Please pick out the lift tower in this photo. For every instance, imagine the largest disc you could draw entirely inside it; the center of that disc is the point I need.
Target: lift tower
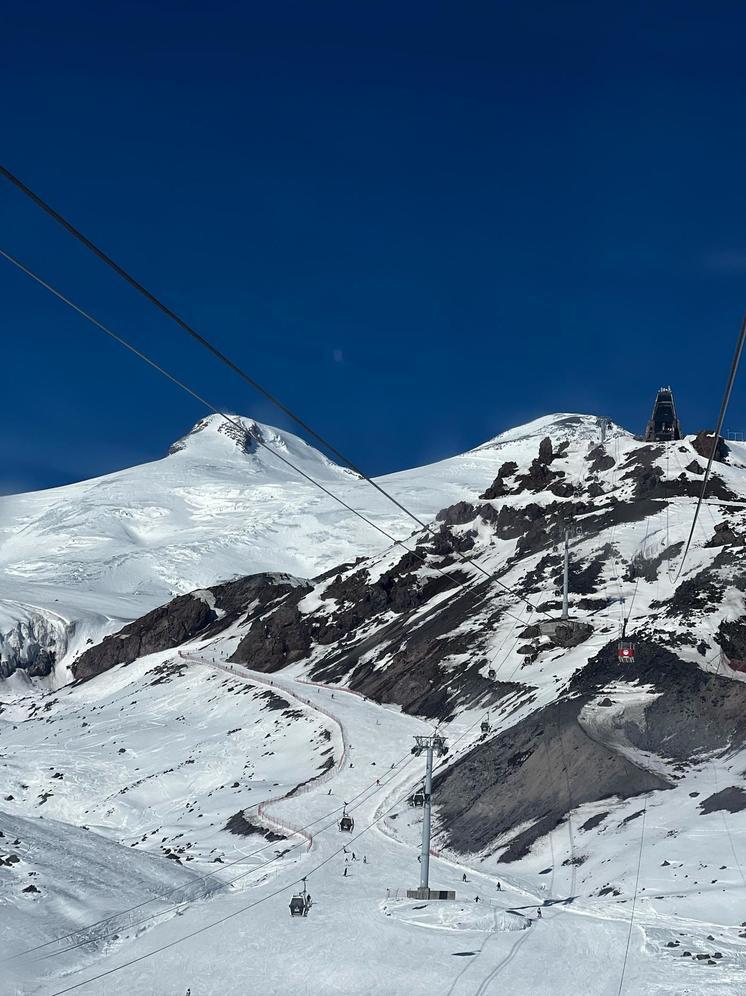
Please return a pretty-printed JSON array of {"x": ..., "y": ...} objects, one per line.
[{"x": 428, "y": 746}]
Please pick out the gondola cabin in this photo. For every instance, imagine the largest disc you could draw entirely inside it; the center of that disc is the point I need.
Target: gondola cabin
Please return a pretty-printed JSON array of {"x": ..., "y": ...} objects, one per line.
[
  {"x": 346, "y": 824},
  {"x": 484, "y": 726},
  {"x": 626, "y": 652},
  {"x": 298, "y": 906},
  {"x": 417, "y": 800},
  {"x": 491, "y": 674}
]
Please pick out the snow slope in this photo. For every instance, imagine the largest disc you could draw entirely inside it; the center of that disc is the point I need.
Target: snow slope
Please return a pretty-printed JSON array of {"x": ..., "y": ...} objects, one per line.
[
  {"x": 362, "y": 936},
  {"x": 79, "y": 561}
]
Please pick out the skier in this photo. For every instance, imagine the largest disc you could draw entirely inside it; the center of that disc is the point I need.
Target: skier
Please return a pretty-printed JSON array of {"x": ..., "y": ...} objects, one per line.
[
  {"x": 499, "y": 887},
  {"x": 476, "y": 899},
  {"x": 463, "y": 877},
  {"x": 365, "y": 859},
  {"x": 538, "y": 913},
  {"x": 345, "y": 872},
  {"x": 353, "y": 856}
]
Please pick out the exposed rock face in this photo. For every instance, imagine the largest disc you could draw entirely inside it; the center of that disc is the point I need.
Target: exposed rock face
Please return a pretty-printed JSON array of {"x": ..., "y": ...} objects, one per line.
[
  {"x": 730, "y": 800},
  {"x": 182, "y": 619},
  {"x": 534, "y": 773},
  {"x": 458, "y": 514},
  {"x": 600, "y": 460},
  {"x": 703, "y": 441},
  {"x": 724, "y": 536},
  {"x": 498, "y": 486}
]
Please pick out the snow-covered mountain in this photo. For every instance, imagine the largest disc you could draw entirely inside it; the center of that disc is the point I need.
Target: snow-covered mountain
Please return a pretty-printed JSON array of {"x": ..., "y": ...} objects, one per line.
[
  {"x": 79, "y": 561},
  {"x": 595, "y": 789}
]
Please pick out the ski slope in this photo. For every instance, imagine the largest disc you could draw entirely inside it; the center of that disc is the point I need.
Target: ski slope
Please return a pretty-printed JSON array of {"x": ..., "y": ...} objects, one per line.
[{"x": 361, "y": 935}]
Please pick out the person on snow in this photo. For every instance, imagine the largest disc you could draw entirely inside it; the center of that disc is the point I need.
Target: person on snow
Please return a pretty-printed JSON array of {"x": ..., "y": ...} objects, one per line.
[
  {"x": 463, "y": 877},
  {"x": 538, "y": 913},
  {"x": 365, "y": 859},
  {"x": 353, "y": 856},
  {"x": 476, "y": 899},
  {"x": 344, "y": 875},
  {"x": 499, "y": 887}
]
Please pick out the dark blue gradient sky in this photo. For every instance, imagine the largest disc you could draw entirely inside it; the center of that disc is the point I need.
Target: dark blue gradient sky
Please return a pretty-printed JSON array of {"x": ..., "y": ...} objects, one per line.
[{"x": 419, "y": 223}]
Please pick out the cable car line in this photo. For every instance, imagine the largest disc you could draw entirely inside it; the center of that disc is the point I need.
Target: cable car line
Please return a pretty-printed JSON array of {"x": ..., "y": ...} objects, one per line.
[
  {"x": 199, "y": 880},
  {"x": 170, "y": 313},
  {"x": 229, "y": 916},
  {"x": 634, "y": 897},
  {"x": 716, "y": 436},
  {"x": 217, "y": 411},
  {"x": 184, "y": 904}
]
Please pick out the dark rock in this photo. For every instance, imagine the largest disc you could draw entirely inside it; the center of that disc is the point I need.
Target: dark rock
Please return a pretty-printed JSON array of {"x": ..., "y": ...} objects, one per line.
[
  {"x": 593, "y": 822},
  {"x": 498, "y": 488},
  {"x": 695, "y": 467},
  {"x": 241, "y": 826},
  {"x": 178, "y": 621},
  {"x": 546, "y": 453},
  {"x": 702, "y": 444},
  {"x": 600, "y": 460},
  {"x": 533, "y": 773},
  {"x": 730, "y": 800},
  {"x": 724, "y": 536},
  {"x": 458, "y": 514}
]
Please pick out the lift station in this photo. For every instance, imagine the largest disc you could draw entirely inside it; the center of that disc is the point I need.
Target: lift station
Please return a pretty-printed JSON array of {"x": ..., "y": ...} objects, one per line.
[{"x": 663, "y": 425}]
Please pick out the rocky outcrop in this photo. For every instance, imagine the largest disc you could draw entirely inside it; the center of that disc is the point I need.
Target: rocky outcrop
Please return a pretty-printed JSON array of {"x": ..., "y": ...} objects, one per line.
[
  {"x": 702, "y": 444},
  {"x": 201, "y": 613},
  {"x": 498, "y": 488},
  {"x": 600, "y": 460},
  {"x": 531, "y": 776}
]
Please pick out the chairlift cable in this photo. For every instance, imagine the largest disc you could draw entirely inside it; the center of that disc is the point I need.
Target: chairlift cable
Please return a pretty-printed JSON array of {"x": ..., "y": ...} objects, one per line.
[
  {"x": 715, "y": 438},
  {"x": 185, "y": 387},
  {"x": 198, "y": 881},
  {"x": 234, "y": 913},
  {"x": 634, "y": 898},
  {"x": 207, "y": 344}
]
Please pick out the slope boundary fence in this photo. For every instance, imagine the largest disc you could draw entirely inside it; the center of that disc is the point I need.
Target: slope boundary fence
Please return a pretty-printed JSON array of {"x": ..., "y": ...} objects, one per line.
[{"x": 270, "y": 821}]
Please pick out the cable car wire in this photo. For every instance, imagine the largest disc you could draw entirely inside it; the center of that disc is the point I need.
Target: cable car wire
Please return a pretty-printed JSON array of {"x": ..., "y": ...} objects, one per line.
[
  {"x": 217, "y": 411},
  {"x": 715, "y": 438},
  {"x": 234, "y": 913},
  {"x": 634, "y": 899},
  {"x": 207, "y": 344},
  {"x": 185, "y": 903}
]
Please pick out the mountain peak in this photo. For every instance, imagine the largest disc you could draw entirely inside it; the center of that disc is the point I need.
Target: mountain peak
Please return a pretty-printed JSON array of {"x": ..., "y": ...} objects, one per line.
[
  {"x": 560, "y": 427},
  {"x": 240, "y": 433}
]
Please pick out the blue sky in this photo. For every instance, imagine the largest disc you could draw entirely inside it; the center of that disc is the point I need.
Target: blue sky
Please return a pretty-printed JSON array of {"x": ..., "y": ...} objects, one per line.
[{"x": 418, "y": 223}]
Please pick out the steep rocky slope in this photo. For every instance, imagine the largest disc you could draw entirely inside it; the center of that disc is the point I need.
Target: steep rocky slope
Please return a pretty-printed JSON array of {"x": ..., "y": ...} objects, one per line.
[
  {"x": 425, "y": 629},
  {"x": 78, "y": 562}
]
